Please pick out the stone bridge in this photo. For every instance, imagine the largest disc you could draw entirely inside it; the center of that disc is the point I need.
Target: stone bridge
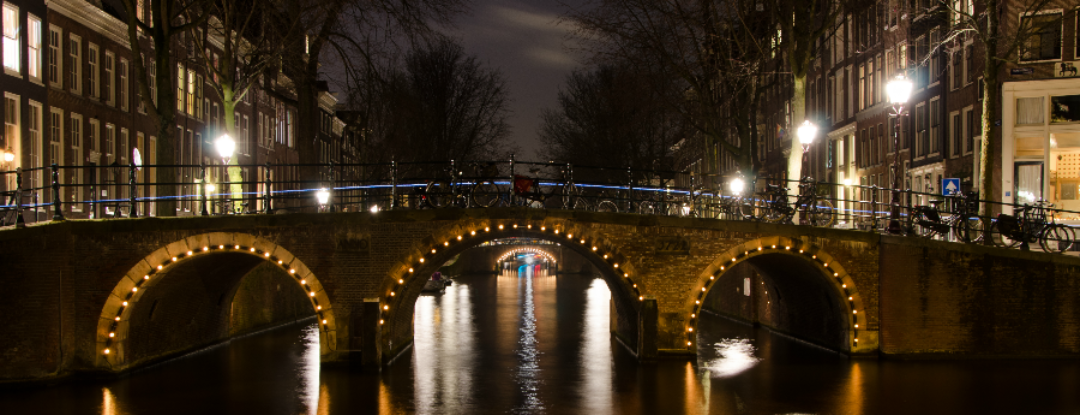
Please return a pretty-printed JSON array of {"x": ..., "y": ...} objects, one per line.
[{"x": 110, "y": 296}]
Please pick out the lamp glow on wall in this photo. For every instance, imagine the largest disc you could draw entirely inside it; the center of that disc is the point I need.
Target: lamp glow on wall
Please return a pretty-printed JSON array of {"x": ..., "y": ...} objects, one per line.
[{"x": 8, "y": 155}]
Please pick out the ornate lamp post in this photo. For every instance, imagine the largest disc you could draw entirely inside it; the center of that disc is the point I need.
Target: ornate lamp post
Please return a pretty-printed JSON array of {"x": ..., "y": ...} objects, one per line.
[
  {"x": 899, "y": 90},
  {"x": 225, "y": 146}
]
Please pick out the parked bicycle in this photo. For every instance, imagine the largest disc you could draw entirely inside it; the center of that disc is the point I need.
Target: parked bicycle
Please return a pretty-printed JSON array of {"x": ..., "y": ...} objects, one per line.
[
  {"x": 527, "y": 190},
  {"x": 813, "y": 210},
  {"x": 457, "y": 191},
  {"x": 963, "y": 225},
  {"x": 1028, "y": 225}
]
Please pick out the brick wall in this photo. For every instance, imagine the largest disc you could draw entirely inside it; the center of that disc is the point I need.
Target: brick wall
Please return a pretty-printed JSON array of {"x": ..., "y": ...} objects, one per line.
[{"x": 977, "y": 301}]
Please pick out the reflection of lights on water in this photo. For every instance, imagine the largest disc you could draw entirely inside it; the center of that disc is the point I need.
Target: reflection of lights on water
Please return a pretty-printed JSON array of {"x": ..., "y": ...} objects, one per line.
[
  {"x": 733, "y": 357},
  {"x": 528, "y": 373},
  {"x": 309, "y": 383},
  {"x": 596, "y": 348},
  {"x": 108, "y": 402}
]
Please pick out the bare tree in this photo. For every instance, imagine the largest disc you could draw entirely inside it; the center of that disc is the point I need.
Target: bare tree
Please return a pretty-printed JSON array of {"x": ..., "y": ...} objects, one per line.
[
  {"x": 716, "y": 49},
  {"x": 438, "y": 104},
  {"x": 613, "y": 117},
  {"x": 159, "y": 21},
  {"x": 251, "y": 35},
  {"x": 356, "y": 36}
]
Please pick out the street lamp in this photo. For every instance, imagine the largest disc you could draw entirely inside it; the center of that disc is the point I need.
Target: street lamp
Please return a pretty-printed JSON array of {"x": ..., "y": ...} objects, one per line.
[
  {"x": 225, "y": 146},
  {"x": 323, "y": 196},
  {"x": 899, "y": 90},
  {"x": 736, "y": 186}
]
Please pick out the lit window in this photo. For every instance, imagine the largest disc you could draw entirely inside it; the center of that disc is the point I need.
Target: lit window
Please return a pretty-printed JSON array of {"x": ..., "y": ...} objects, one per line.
[
  {"x": 11, "y": 37},
  {"x": 33, "y": 47}
]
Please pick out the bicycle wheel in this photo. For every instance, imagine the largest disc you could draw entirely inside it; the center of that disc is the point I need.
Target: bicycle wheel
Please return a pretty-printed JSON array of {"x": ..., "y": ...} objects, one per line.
[
  {"x": 646, "y": 208},
  {"x": 1056, "y": 238},
  {"x": 485, "y": 193},
  {"x": 821, "y": 214},
  {"x": 968, "y": 230},
  {"x": 920, "y": 224},
  {"x": 438, "y": 194},
  {"x": 607, "y": 206},
  {"x": 1000, "y": 240}
]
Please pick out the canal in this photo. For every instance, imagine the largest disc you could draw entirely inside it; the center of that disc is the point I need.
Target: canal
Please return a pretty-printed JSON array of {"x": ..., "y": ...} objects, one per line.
[{"x": 540, "y": 344}]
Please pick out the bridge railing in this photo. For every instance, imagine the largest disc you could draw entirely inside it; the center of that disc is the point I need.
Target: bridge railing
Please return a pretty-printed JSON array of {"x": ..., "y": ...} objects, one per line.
[{"x": 94, "y": 192}]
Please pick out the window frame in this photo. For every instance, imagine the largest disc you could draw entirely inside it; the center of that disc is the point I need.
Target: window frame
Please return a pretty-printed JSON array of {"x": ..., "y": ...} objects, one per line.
[
  {"x": 33, "y": 53},
  {"x": 1061, "y": 36},
  {"x": 122, "y": 85},
  {"x": 93, "y": 72},
  {"x": 75, "y": 66},
  {"x": 56, "y": 57},
  {"x": 75, "y": 124},
  {"x": 11, "y": 45},
  {"x": 107, "y": 84}
]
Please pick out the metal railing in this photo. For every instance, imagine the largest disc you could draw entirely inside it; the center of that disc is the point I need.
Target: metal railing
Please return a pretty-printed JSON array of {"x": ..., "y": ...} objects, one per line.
[{"x": 97, "y": 192}]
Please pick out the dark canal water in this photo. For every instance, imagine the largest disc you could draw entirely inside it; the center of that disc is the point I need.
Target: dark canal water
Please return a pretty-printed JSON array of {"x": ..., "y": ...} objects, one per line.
[{"x": 540, "y": 345}]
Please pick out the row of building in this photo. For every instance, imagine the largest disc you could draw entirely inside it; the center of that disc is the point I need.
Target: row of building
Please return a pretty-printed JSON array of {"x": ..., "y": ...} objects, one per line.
[
  {"x": 70, "y": 97},
  {"x": 1039, "y": 154}
]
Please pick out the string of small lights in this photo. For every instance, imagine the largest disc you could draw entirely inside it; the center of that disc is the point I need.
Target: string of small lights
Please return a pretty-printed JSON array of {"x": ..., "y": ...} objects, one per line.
[
  {"x": 757, "y": 248},
  {"x": 129, "y": 299}
]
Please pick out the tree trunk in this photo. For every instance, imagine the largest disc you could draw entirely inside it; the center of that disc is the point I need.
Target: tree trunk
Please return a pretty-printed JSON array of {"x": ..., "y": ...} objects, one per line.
[
  {"x": 991, "y": 102},
  {"x": 798, "y": 113}
]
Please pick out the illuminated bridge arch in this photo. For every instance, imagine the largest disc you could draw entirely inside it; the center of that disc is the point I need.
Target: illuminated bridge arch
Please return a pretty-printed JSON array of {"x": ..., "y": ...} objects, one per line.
[
  {"x": 113, "y": 328},
  {"x": 405, "y": 280},
  {"x": 823, "y": 268}
]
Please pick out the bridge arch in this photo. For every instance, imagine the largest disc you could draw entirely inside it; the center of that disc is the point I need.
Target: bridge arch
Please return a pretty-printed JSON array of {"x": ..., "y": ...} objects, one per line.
[
  {"x": 824, "y": 270},
  {"x": 113, "y": 328},
  {"x": 404, "y": 281}
]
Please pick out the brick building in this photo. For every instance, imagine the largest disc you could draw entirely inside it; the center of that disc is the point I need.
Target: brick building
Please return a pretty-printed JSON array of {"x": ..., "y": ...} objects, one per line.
[
  {"x": 71, "y": 98},
  {"x": 940, "y": 133}
]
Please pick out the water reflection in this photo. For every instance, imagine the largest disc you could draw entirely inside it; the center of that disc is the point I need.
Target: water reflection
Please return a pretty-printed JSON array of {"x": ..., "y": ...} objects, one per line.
[
  {"x": 528, "y": 371},
  {"x": 444, "y": 352},
  {"x": 734, "y": 356},
  {"x": 596, "y": 349},
  {"x": 309, "y": 370},
  {"x": 541, "y": 344}
]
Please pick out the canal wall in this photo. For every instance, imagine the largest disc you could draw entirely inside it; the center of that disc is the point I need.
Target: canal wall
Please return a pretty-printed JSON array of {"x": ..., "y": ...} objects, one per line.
[
  {"x": 976, "y": 301},
  {"x": 266, "y": 297}
]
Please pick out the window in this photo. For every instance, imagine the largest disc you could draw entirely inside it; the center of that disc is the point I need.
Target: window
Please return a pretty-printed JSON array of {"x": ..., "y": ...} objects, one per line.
[
  {"x": 956, "y": 71},
  {"x": 922, "y": 136},
  {"x": 11, "y": 38},
  {"x": 56, "y": 137},
  {"x": 92, "y": 86},
  {"x": 862, "y": 87},
  {"x": 247, "y": 131},
  {"x": 935, "y": 126},
  {"x": 107, "y": 83},
  {"x": 1044, "y": 37},
  {"x": 123, "y": 69},
  {"x": 936, "y": 66},
  {"x": 972, "y": 127},
  {"x": 957, "y": 139},
  {"x": 33, "y": 47},
  {"x": 1029, "y": 111},
  {"x": 76, "y": 159},
  {"x": 95, "y": 136},
  {"x": 123, "y": 150},
  {"x": 55, "y": 55},
  {"x": 139, "y": 14},
  {"x": 1065, "y": 109},
  {"x": 192, "y": 103},
  {"x": 969, "y": 53},
  {"x": 12, "y": 127},
  {"x": 179, "y": 86},
  {"x": 75, "y": 63},
  {"x": 110, "y": 144}
]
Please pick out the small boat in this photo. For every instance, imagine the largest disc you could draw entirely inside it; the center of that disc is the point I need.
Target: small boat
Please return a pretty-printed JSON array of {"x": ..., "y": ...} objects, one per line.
[{"x": 436, "y": 284}]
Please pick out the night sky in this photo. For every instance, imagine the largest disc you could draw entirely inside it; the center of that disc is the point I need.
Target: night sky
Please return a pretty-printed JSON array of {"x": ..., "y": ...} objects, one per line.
[{"x": 526, "y": 42}]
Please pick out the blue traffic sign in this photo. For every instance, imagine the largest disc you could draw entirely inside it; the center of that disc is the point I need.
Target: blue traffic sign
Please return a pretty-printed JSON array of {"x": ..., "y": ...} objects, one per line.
[{"x": 950, "y": 187}]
